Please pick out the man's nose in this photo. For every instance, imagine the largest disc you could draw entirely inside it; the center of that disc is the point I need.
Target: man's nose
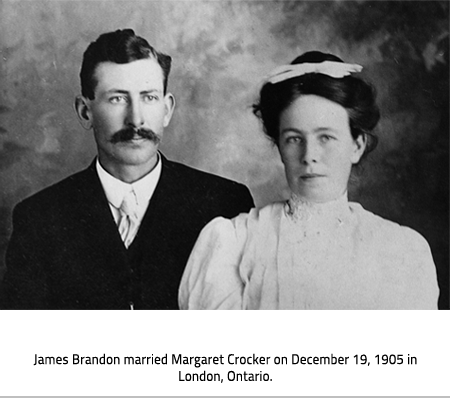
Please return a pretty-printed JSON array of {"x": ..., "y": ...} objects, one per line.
[
  {"x": 311, "y": 152},
  {"x": 135, "y": 117}
]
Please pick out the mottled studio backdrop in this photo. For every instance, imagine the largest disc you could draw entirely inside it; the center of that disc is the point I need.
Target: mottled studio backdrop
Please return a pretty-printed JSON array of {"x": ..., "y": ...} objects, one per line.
[{"x": 221, "y": 50}]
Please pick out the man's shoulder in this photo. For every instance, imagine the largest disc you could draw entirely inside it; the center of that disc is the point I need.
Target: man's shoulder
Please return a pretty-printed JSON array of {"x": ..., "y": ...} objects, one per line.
[
  {"x": 63, "y": 191},
  {"x": 205, "y": 194},
  {"x": 195, "y": 177}
]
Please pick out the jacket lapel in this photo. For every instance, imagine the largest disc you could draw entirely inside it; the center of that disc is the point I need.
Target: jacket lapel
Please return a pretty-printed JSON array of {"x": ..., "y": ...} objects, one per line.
[
  {"x": 164, "y": 206},
  {"x": 95, "y": 215}
]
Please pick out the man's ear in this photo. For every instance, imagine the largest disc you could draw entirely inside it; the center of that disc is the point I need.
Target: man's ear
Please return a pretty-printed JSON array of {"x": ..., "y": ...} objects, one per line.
[
  {"x": 169, "y": 102},
  {"x": 359, "y": 148},
  {"x": 83, "y": 112}
]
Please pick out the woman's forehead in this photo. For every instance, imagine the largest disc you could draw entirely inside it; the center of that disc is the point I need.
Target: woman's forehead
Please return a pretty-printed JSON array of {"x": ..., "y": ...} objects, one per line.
[{"x": 315, "y": 112}]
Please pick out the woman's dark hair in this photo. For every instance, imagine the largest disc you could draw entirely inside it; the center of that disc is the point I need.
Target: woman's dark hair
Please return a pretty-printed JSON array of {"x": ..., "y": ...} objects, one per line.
[
  {"x": 353, "y": 93},
  {"x": 120, "y": 47}
]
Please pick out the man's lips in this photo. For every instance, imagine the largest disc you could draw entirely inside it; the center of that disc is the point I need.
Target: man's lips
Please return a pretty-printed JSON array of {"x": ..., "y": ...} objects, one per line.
[{"x": 135, "y": 140}]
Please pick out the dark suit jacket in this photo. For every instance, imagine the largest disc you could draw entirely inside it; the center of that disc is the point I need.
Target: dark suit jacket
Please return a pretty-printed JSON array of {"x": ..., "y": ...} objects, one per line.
[{"x": 65, "y": 251}]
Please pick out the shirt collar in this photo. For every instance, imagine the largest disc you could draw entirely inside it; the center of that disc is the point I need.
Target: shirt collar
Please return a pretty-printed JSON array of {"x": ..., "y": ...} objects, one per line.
[
  {"x": 299, "y": 209},
  {"x": 116, "y": 189}
]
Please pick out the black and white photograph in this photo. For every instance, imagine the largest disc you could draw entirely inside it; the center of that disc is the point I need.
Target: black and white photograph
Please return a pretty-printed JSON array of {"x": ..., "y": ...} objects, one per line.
[{"x": 300, "y": 146}]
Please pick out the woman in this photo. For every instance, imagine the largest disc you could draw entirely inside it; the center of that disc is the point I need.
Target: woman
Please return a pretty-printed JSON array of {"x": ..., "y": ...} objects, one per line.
[{"x": 316, "y": 250}]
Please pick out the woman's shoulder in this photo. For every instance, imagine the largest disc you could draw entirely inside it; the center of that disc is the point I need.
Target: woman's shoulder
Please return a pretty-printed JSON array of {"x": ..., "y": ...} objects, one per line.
[
  {"x": 402, "y": 255},
  {"x": 389, "y": 231},
  {"x": 238, "y": 231},
  {"x": 255, "y": 217}
]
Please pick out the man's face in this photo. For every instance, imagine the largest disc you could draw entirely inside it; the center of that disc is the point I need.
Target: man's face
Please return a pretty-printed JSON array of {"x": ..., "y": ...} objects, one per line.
[{"x": 128, "y": 114}]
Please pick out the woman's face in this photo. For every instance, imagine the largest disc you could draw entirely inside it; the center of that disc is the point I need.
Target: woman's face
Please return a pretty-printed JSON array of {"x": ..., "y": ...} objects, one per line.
[{"x": 317, "y": 148}]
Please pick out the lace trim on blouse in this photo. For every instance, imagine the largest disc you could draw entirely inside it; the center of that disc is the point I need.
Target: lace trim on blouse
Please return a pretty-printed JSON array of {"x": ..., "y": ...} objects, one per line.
[{"x": 298, "y": 209}]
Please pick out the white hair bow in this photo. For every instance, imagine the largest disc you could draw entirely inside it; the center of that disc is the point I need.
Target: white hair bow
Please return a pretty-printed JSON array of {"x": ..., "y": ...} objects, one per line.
[{"x": 330, "y": 68}]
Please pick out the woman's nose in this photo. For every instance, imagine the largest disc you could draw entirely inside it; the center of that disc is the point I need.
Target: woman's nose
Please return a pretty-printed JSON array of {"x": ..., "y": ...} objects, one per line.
[
  {"x": 310, "y": 153},
  {"x": 135, "y": 117}
]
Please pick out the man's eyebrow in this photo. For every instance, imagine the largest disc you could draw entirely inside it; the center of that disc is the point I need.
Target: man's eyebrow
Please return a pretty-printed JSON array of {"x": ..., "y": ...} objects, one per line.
[
  {"x": 153, "y": 90},
  {"x": 117, "y": 90},
  {"x": 121, "y": 91}
]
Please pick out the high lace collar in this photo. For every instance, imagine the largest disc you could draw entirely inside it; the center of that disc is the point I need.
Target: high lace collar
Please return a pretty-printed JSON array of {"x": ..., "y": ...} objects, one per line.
[{"x": 299, "y": 209}]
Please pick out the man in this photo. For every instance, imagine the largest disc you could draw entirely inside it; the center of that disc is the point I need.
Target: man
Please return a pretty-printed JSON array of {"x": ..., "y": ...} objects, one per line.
[{"x": 118, "y": 234}]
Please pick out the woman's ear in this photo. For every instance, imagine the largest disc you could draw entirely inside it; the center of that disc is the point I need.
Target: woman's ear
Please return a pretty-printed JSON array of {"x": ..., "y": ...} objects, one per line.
[
  {"x": 359, "y": 147},
  {"x": 169, "y": 102},
  {"x": 83, "y": 112}
]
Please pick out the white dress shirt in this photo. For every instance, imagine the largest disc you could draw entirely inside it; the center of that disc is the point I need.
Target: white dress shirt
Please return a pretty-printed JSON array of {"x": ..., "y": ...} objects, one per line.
[
  {"x": 299, "y": 255},
  {"x": 116, "y": 189}
]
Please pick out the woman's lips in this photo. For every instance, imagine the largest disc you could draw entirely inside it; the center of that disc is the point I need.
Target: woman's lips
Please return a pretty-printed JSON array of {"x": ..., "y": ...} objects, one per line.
[{"x": 310, "y": 176}]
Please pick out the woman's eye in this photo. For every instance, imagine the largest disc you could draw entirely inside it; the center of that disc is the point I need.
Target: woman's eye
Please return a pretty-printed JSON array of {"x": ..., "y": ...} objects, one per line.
[{"x": 294, "y": 140}]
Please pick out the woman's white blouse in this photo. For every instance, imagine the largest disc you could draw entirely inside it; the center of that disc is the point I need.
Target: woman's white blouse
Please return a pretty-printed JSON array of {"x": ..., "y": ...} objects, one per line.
[{"x": 298, "y": 255}]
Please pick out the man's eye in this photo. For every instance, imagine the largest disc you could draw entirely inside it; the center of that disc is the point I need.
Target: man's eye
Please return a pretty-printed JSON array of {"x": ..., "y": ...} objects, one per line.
[
  {"x": 118, "y": 99},
  {"x": 325, "y": 138},
  {"x": 150, "y": 98}
]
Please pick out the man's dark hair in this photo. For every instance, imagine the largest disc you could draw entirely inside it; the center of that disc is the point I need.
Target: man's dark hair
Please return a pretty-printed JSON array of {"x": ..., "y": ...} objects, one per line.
[
  {"x": 120, "y": 47},
  {"x": 351, "y": 92}
]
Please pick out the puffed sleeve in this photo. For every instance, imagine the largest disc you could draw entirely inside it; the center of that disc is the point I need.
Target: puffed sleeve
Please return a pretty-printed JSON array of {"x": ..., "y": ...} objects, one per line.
[
  {"x": 212, "y": 278},
  {"x": 424, "y": 290}
]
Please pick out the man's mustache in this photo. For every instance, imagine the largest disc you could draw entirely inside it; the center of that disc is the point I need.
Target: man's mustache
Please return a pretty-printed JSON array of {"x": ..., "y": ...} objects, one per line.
[{"x": 128, "y": 133}]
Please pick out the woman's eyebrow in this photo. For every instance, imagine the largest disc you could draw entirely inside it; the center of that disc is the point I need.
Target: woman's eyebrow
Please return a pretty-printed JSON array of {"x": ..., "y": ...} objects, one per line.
[
  {"x": 299, "y": 131},
  {"x": 291, "y": 130},
  {"x": 322, "y": 129}
]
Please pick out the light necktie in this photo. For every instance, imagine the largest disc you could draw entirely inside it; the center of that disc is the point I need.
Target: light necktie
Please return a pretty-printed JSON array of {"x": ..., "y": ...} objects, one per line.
[{"x": 128, "y": 221}]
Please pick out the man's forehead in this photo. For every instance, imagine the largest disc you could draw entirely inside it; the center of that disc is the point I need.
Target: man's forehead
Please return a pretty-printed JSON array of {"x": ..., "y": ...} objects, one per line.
[{"x": 140, "y": 72}]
